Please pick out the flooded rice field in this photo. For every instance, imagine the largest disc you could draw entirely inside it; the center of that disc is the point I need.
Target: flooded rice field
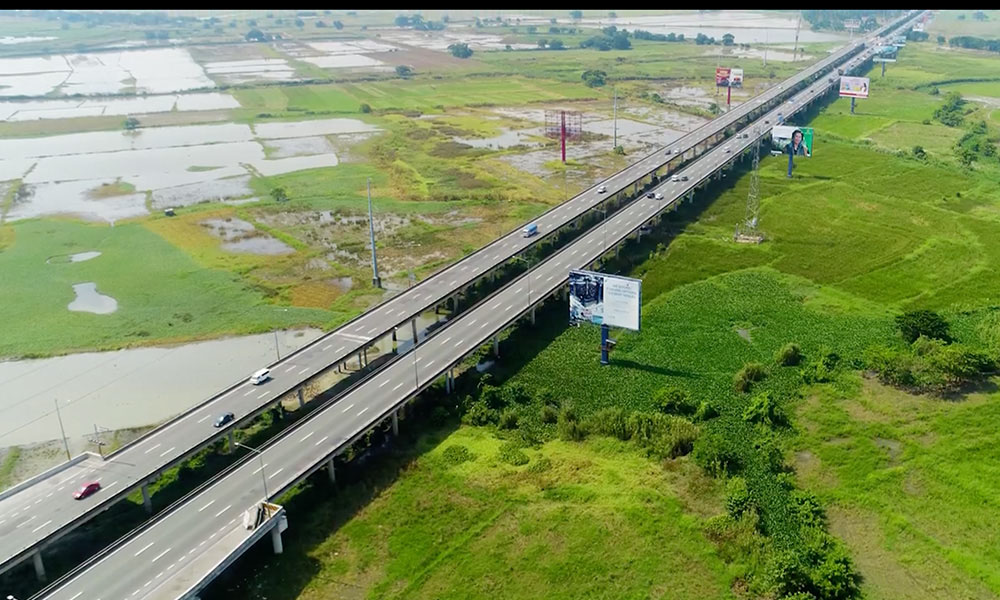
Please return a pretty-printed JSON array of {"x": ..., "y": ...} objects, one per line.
[
  {"x": 242, "y": 71},
  {"x": 441, "y": 40},
  {"x": 241, "y": 236},
  {"x": 746, "y": 27},
  {"x": 178, "y": 165},
  {"x": 96, "y": 107},
  {"x": 149, "y": 71}
]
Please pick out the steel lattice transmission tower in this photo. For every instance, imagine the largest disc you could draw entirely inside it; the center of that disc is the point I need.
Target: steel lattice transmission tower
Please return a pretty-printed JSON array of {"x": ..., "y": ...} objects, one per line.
[{"x": 747, "y": 231}]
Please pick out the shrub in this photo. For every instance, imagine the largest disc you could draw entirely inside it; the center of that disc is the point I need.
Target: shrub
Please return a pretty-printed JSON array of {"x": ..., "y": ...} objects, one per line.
[
  {"x": 365, "y": 108},
  {"x": 717, "y": 453},
  {"x": 705, "y": 411},
  {"x": 789, "y": 355},
  {"x": 738, "y": 500},
  {"x": 821, "y": 370},
  {"x": 672, "y": 400},
  {"x": 569, "y": 427},
  {"x": 916, "y": 323},
  {"x": 808, "y": 509},
  {"x": 764, "y": 409},
  {"x": 745, "y": 377},
  {"x": 508, "y": 419},
  {"x": 610, "y": 422},
  {"x": 511, "y": 454},
  {"x": 457, "y": 454},
  {"x": 478, "y": 413},
  {"x": 549, "y": 414},
  {"x": 540, "y": 466}
]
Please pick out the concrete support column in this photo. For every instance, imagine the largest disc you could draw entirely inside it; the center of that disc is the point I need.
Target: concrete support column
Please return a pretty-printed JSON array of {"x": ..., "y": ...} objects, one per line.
[
  {"x": 395, "y": 343},
  {"x": 232, "y": 442},
  {"x": 276, "y": 539},
  {"x": 39, "y": 566},
  {"x": 331, "y": 471},
  {"x": 364, "y": 355},
  {"x": 395, "y": 422},
  {"x": 146, "y": 502},
  {"x": 361, "y": 364},
  {"x": 302, "y": 401},
  {"x": 413, "y": 326},
  {"x": 496, "y": 346},
  {"x": 533, "y": 315}
]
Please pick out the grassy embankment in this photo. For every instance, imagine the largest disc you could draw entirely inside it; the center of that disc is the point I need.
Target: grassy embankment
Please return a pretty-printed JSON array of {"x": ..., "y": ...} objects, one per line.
[{"x": 858, "y": 236}]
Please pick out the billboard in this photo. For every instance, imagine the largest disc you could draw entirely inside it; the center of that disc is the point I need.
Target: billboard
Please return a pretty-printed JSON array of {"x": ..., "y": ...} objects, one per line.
[
  {"x": 604, "y": 299},
  {"x": 885, "y": 54},
  {"x": 781, "y": 136},
  {"x": 918, "y": 26},
  {"x": 736, "y": 78},
  {"x": 722, "y": 75},
  {"x": 852, "y": 23},
  {"x": 854, "y": 87}
]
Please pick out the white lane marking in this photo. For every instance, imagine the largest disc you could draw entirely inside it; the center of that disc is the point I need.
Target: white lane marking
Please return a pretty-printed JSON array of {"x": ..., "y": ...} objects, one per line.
[
  {"x": 219, "y": 514},
  {"x": 483, "y": 325},
  {"x": 23, "y": 523},
  {"x": 77, "y": 595},
  {"x": 509, "y": 306},
  {"x": 302, "y": 372},
  {"x": 445, "y": 340},
  {"x": 453, "y": 282},
  {"x": 158, "y": 575},
  {"x": 363, "y": 410},
  {"x": 430, "y": 363},
  {"x": 2, "y": 521},
  {"x": 383, "y": 384},
  {"x": 416, "y": 296},
  {"x": 326, "y": 347},
  {"x": 257, "y": 470},
  {"x": 166, "y": 452},
  {"x": 160, "y": 555},
  {"x": 472, "y": 322},
  {"x": 144, "y": 549},
  {"x": 290, "y": 368},
  {"x": 458, "y": 343},
  {"x": 271, "y": 476},
  {"x": 550, "y": 278},
  {"x": 465, "y": 267},
  {"x": 348, "y": 408},
  {"x": 151, "y": 449},
  {"x": 202, "y": 420},
  {"x": 517, "y": 291},
  {"x": 372, "y": 330},
  {"x": 113, "y": 483},
  {"x": 339, "y": 349},
  {"x": 398, "y": 385},
  {"x": 250, "y": 391},
  {"x": 263, "y": 394},
  {"x": 42, "y": 526},
  {"x": 308, "y": 435},
  {"x": 326, "y": 437},
  {"x": 495, "y": 306},
  {"x": 210, "y": 503}
]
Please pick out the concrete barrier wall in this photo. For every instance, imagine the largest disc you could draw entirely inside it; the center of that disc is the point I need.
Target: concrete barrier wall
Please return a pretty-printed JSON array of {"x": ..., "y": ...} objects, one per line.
[{"x": 43, "y": 476}]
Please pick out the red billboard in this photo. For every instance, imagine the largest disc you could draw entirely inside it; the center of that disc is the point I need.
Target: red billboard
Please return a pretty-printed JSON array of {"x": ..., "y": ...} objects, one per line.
[{"x": 722, "y": 75}]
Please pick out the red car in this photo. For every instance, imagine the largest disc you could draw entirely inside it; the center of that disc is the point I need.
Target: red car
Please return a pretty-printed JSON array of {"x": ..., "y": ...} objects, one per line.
[{"x": 86, "y": 490}]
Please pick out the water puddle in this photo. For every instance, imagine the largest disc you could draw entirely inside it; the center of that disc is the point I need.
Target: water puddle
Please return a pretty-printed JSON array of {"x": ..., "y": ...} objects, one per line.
[
  {"x": 89, "y": 300},
  {"x": 82, "y": 256},
  {"x": 241, "y": 236}
]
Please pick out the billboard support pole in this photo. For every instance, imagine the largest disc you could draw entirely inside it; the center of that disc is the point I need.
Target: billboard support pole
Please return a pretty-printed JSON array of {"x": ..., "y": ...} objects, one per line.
[
  {"x": 604, "y": 345},
  {"x": 729, "y": 96},
  {"x": 852, "y": 104},
  {"x": 883, "y": 69}
]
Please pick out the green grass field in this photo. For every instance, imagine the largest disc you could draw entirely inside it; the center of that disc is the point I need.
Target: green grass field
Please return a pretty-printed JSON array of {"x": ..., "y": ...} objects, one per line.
[
  {"x": 162, "y": 293},
  {"x": 948, "y": 23},
  {"x": 485, "y": 529}
]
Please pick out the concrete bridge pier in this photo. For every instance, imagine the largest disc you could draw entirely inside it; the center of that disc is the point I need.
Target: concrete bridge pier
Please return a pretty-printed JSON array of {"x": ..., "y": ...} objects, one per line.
[
  {"x": 395, "y": 343},
  {"x": 276, "y": 539},
  {"x": 413, "y": 326},
  {"x": 36, "y": 558},
  {"x": 147, "y": 503},
  {"x": 302, "y": 401},
  {"x": 395, "y": 422},
  {"x": 331, "y": 471},
  {"x": 496, "y": 346}
]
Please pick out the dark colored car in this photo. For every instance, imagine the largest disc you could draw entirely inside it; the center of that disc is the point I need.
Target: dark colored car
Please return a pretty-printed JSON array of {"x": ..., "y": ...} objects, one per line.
[
  {"x": 224, "y": 418},
  {"x": 87, "y": 489}
]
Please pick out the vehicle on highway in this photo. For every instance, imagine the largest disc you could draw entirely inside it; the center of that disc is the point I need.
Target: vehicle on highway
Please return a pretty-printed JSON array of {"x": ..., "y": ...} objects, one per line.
[
  {"x": 684, "y": 177},
  {"x": 87, "y": 489},
  {"x": 223, "y": 419},
  {"x": 658, "y": 196},
  {"x": 530, "y": 230},
  {"x": 728, "y": 149},
  {"x": 677, "y": 150},
  {"x": 602, "y": 189},
  {"x": 260, "y": 376},
  {"x": 675, "y": 178},
  {"x": 651, "y": 194}
]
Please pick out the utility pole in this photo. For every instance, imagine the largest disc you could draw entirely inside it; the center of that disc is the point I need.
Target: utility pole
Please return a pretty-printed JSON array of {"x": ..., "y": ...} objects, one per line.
[
  {"x": 61, "y": 430},
  {"x": 615, "y": 90},
  {"x": 765, "y": 47},
  {"x": 260, "y": 456},
  {"x": 371, "y": 234},
  {"x": 795, "y": 51},
  {"x": 277, "y": 354}
]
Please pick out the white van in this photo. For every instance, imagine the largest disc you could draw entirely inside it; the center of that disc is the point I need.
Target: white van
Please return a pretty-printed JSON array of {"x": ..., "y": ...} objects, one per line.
[
  {"x": 530, "y": 230},
  {"x": 260, "y": 376}
]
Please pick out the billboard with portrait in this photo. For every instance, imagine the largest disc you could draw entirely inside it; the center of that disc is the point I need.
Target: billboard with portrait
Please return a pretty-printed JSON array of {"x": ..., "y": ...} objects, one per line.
[
  {"x": 736, "y": 78},
  {"x": 781, "y": 135},
  {"x": 854, "y": 87},
  {"x": 604, "y": 299},
  {"x": 722, "y": 76}
]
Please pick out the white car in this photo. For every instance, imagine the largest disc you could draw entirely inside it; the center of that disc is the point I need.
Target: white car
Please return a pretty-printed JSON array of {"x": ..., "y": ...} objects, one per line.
[
  {"x": 728, "y": 150},
  {"x": 602, "y": 189},
  {"x": 675, "y": 178},
  {"x": 658, "y": 196},
  {"x": 260, "y": 376}
]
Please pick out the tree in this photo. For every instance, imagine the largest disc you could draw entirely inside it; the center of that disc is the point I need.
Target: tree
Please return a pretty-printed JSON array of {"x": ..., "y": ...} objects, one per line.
[
  {"x": 594, "y": 78},
  {"x": 980, "y": 16},
  {"x": 556, "y": 45},
  {"x": 461, "y": 50},
  {"x": 542, "y": 43},
  {"x": 940, "y": 39},
  {"x": 918, "y": 152},
  {"x": 402, "y": 21},
  {"x": 131, "y": 124},
  {"x": 576, "y": 14},
  {"x": 279, "y": 194},
  {"x": 366, "y": 108},
  {"x": 300, "y": 23},
  {"x": 404, "y": 71},
  {"x": 252, "y": 22},
  {"x": 728, "y": 39},
  {"x": 532, "y": 29},
  {"x": 553, "y": 21},
  {"x": 320, "y": 24},
  {"x": 338, "y": 24},
  {"x": 612, "y": 15},
  {"x": 446, "y": 19},
  {"x": 255, "y": 35},
  {"x": 927, "y": 323},
  {"x": 620, "y": 41}
]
